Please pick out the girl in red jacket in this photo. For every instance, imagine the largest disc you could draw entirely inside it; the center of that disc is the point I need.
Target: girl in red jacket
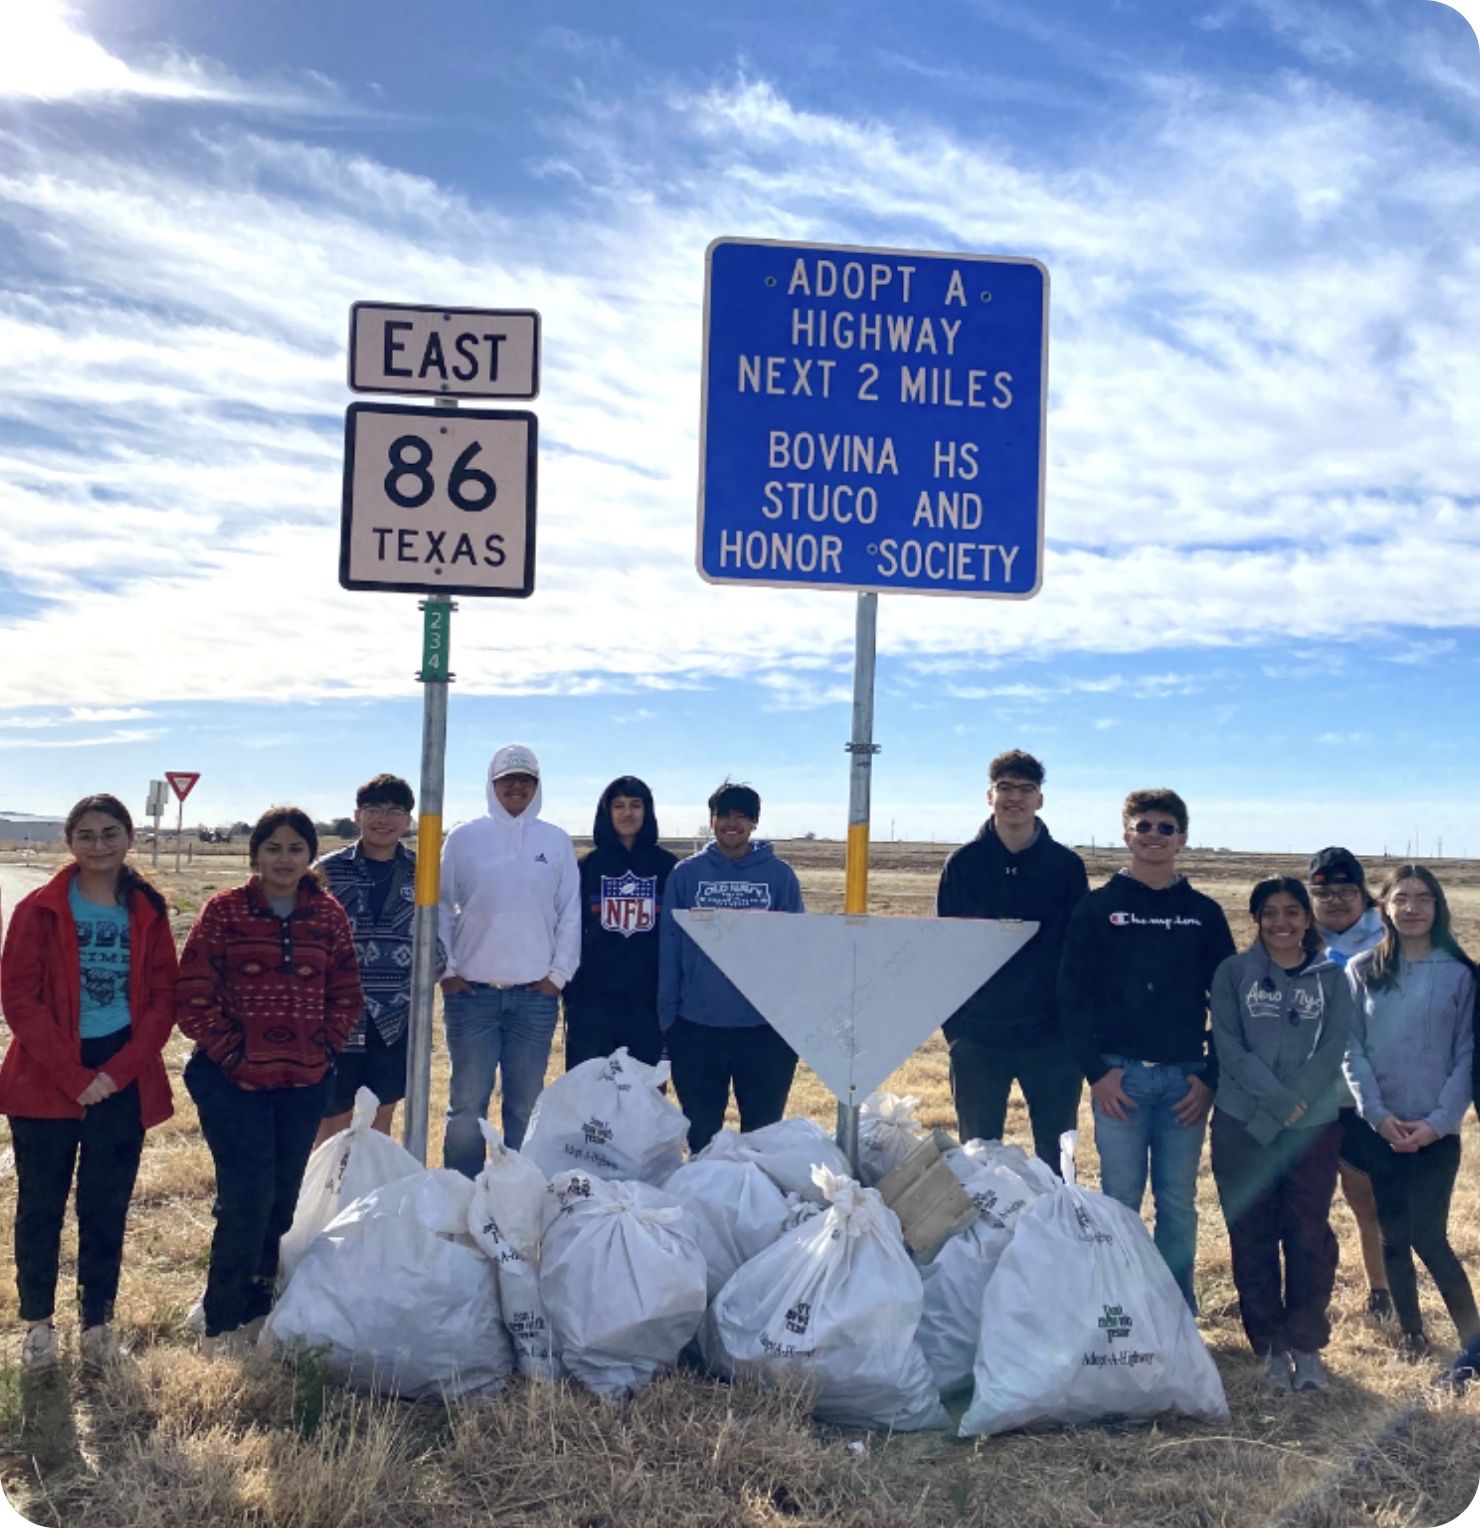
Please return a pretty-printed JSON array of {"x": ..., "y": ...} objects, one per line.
[
  {"x": 269, "y": 991},
  {"x": 87, "y": 982}
]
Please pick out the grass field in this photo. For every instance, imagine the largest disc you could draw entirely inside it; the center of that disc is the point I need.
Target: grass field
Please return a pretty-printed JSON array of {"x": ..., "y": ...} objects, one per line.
[{"x": 167, "y": 1439}]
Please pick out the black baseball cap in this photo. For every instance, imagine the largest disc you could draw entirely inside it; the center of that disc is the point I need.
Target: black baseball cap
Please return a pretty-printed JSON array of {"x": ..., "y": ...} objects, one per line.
[{"x": 1336, "y": 867}]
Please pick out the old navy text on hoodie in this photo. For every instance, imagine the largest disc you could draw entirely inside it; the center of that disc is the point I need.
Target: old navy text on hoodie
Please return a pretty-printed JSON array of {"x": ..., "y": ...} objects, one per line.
[
  {"x": 511, "y": 898},
  {"x": 690, "y": 985}
]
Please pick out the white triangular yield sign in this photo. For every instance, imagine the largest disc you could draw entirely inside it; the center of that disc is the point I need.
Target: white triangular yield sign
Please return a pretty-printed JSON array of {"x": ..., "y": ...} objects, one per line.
[
  {"x": 182, "y": 781},
  {"x": 854, "y": 996}
]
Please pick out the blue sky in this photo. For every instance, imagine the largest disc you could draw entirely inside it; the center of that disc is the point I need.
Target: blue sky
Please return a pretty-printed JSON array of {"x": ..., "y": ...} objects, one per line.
[{"x": 1263, "y": 552}]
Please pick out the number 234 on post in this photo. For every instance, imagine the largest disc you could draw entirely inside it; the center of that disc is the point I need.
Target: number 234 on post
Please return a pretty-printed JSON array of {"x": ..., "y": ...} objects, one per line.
[{"x": 438, "y": 500}]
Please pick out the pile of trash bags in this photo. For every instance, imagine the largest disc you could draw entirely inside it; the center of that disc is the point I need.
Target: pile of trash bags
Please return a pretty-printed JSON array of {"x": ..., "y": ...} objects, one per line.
[{"x": 596, "y": 1253}]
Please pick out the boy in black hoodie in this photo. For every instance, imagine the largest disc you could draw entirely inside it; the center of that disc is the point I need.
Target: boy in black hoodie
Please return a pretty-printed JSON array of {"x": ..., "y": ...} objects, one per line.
[
  {"x": 1133, "y": 995},
  {"x": 1009, "y": 1029},
  {"x": 612, "y": 1000}
]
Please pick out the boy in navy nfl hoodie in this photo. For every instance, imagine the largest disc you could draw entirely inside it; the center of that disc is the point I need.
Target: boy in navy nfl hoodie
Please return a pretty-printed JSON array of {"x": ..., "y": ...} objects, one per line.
[{"x": 715, "y": 1036}]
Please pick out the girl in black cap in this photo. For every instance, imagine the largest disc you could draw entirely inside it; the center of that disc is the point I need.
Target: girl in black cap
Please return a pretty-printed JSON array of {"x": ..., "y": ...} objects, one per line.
[
  {"x": 612, "y": 1000},
  {"x": 1349, "y": 924}
]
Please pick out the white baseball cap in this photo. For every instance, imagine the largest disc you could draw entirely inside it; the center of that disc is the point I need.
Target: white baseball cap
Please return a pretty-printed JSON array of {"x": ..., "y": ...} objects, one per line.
[{"x": 514, "y": 759}]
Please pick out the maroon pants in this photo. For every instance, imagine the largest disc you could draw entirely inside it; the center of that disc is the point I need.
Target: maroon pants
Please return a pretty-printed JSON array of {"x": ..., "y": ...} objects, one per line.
[{"x": 1278, "y": 1198}]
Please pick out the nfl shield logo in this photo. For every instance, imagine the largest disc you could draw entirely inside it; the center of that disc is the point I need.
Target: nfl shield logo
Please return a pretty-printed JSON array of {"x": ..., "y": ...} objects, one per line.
[{"x": 629, "y": 904}]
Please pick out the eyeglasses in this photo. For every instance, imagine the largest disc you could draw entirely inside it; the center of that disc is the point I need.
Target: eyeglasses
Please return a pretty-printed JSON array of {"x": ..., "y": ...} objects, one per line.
[
  {"x": 1337, "y": 893},
  {"x": 1421, "y": 900},
  {"x": 1166, "y": 829},
  {"x": 109, "y": 838},
  {"x": 384, "y": 813},
  {"x": 1002, "y": 788}
]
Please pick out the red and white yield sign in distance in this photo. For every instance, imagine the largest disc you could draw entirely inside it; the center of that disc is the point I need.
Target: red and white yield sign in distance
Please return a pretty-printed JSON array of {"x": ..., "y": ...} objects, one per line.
[{"x": 182, "y": 781}]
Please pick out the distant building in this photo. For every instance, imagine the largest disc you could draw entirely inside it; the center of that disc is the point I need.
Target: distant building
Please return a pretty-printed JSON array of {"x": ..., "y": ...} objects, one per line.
[{"x": 27, "y": 828}]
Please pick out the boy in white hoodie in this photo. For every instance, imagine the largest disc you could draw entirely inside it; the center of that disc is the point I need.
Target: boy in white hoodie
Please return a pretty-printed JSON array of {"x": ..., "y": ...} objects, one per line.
[{"x": 511, "y": 924}]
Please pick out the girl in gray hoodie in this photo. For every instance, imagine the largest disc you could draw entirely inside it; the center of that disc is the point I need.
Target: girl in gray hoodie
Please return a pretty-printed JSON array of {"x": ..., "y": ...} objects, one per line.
[
  {"x": 1408, "y": 1063},
  {"x": 1281, "y": 1014}
]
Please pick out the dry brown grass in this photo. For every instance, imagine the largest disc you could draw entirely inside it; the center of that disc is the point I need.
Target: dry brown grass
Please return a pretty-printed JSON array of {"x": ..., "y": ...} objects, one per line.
[{"x": 168, "y": 1439}]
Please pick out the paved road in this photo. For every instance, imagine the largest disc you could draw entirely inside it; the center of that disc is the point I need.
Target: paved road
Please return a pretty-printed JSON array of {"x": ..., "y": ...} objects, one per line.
[{"x": 15, "y": 882}]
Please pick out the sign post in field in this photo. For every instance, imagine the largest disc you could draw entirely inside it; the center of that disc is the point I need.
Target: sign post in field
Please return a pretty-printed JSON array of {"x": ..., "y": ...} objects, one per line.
[
  {"x": 872, "y": 420},
  {"x": 182, "y": 782},
  {"x": 154, "y": 808},
  {"x": 438, "y": 501}
]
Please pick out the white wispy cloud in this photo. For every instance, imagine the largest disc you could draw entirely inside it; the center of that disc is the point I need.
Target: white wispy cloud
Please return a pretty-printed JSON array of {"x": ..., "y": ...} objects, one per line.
[
  {"x": 49, "y": 57},
  {"x": 1265, "y": 408}
]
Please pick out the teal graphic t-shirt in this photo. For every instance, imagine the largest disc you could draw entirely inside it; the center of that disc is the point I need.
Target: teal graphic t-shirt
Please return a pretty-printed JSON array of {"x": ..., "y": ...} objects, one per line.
[{"x": 102, "y": 946}]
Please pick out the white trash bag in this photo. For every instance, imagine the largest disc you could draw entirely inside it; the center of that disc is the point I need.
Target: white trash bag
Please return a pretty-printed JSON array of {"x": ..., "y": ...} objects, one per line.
[
  {"x": 1034, "y": 1171},
  {"x": 788, "y": 1151},
  {"x": 887, "y": 1133},
  {"x": 399, "y": 1295},
  {"x": 833, "y": 1303},
  {"x": 349, "y": 1165},
  {"x": 956, "y": 1278},
  {"x": 504, "y": 1217},
  {"x": 622, "y": 1280},
  {"x": 799, "y": 1210},
  {"x": 734, "y": 1209},
  {"x": 607, "y": 1118},
  {"x": 1082, "y": 1321}
]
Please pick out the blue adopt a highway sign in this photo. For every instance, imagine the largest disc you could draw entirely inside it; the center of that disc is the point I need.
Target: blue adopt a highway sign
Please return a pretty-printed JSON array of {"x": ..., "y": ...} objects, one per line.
[{"x": 873, "y": 419}]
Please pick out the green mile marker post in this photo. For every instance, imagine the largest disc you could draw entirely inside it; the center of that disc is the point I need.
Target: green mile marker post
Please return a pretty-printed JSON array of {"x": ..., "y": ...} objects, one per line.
[{"x": 434, "y": 676}]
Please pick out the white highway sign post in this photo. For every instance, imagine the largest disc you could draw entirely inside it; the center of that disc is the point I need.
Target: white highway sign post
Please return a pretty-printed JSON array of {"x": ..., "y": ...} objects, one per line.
[
  {"x": 154, "y": 808},
  {"x": 438, "y": 501},
  {"x": 444, "y": 352},
  {"x": 872, "y": 420}
]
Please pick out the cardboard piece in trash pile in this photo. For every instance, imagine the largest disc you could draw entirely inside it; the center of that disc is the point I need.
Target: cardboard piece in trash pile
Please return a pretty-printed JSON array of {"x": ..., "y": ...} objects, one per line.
[{"x": 930, "y": 1202}]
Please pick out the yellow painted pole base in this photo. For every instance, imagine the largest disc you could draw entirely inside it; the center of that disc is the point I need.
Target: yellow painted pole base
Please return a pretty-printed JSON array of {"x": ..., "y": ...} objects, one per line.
[
  {"x": 855, "y": 876},
  {"x": 428, "y": 859}
]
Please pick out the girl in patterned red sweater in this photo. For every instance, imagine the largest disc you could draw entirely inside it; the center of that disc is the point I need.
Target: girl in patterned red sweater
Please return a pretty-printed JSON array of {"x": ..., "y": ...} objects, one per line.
[{"x": 269, "y": 991}]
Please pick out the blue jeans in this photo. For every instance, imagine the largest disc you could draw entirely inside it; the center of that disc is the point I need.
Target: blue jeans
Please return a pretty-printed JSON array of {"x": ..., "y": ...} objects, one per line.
[
  {"x": 490, "y": 1028},
  {"x": 1149, "y": 1133}
]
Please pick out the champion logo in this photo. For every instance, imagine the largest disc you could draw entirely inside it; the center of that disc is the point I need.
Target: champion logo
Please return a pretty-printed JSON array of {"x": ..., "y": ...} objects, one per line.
[
  {"x": 540, "y": 859},
  {"x": 1129, "y": 920}
]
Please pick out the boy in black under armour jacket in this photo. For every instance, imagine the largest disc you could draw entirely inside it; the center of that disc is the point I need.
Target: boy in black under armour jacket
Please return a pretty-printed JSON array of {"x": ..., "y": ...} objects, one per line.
[
  {"x": 612, "y": 1000},
  {"x": 1133, "y": 995},
  {"x": 1009, "y": 1028}
]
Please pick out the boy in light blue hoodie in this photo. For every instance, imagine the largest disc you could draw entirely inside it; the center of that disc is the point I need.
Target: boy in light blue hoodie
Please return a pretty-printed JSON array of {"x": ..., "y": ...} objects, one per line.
[{"x": 716, "y": 1037}]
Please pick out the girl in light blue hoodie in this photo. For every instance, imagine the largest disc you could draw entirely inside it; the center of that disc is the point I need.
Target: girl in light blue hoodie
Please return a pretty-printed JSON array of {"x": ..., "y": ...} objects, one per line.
[{"x": 1408, "y": 1063}]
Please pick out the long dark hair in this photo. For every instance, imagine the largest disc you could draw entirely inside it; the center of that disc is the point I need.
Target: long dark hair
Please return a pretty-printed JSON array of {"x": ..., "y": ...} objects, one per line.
[
  {"x": 1271, "y": 886},
  {"x": 294, "y": 817},
  {"x": 1382, "y": 969},
  {"x": 129, "y": 879}
]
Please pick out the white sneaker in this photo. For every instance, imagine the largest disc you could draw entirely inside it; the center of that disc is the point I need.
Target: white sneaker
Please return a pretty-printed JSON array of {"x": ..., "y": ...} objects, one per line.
[
  {"x": 1310, "y": 1372},
  {"x": 98, "y": 1345},
  {"x": 39, "y": 1350}
]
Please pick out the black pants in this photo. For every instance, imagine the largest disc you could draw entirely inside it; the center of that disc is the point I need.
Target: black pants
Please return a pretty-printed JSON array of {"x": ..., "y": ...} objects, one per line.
[
  {"x": 260, "y": 1142},
  {"x": 597, "y": 1023},
  {"x": 982, "y": 1077},
  {"x": 103, "y": 1148},
  {"x": 1413, "y": 1190},
  {"x": 706, "y": 1059},
  {"x": 1277, "y": 1198}
]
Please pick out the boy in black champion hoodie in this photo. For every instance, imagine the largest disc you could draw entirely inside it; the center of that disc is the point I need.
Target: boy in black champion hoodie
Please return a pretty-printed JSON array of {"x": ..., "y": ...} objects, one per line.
[
  {"x": 612, "y": 1000},
  {"x": 1133, "y": 997},
  {"x": 1009, "y": 1028}
]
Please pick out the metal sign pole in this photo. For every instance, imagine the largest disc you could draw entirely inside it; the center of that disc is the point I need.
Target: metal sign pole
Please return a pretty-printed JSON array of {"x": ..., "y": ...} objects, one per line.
[
  {"x": 434, "y": 677},
  {"x": 861, "y": 750},
  {"x": 179, "y": 833}
]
